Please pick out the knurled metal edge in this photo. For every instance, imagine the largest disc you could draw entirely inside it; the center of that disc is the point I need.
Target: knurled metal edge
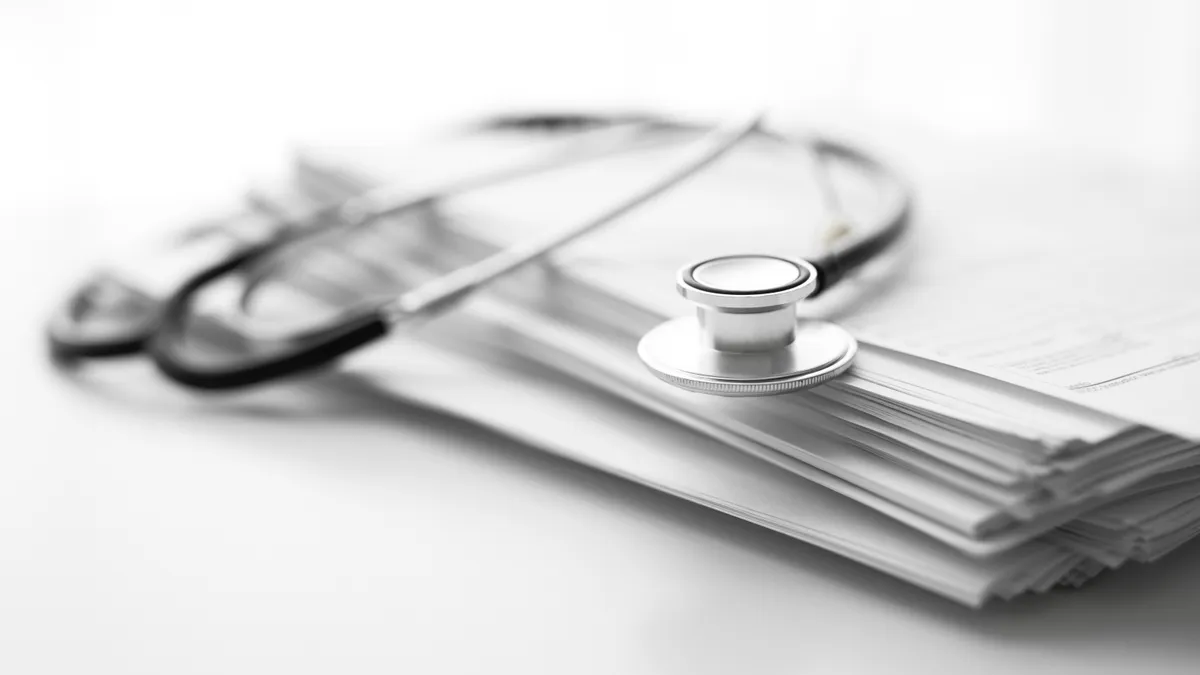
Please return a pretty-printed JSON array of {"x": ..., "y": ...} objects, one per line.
[{"x": 771, "y": 388}]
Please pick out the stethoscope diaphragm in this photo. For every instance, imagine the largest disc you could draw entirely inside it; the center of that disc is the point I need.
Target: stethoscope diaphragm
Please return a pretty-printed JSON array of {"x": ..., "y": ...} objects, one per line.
[{"x": 745, "y": 339}]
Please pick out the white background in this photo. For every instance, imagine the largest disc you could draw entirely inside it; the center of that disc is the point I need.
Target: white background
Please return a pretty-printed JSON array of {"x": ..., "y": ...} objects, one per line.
[{"x": 148, "y": 532}]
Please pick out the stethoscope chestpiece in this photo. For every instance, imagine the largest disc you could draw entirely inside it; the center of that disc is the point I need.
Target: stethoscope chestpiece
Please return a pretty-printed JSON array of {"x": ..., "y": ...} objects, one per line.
[{"x": 745, "y": 339}]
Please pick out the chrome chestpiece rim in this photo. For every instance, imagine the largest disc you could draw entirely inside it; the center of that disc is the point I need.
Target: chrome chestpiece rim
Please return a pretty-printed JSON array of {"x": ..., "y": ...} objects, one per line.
[{"x": 745, "y": 339}]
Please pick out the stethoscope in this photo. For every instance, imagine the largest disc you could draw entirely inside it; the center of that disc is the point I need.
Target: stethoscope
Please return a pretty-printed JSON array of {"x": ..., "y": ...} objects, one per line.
[{"x": 744, "y": 340}]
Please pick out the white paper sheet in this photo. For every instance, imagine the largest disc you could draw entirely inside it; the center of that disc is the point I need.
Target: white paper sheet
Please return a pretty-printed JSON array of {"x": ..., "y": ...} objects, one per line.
[
  {"x": 564, "y": 416},
  {"x": 1072, "y": 278}
]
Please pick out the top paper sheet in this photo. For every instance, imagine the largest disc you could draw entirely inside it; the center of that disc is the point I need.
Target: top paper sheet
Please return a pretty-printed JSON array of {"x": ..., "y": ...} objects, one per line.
[{"x": 1074, "y": 281}]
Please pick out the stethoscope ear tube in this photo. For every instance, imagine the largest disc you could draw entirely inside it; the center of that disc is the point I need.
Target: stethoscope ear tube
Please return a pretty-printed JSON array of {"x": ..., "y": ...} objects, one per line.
[
  {"x": 107, "y": 318},
  {"x": 258, "y": 360},
  {"x": 836, "y": 265},
  {"x": 842, "y": 260},
  {"x": 72, "y": 334},
  {"x": 175, "y": 356}
]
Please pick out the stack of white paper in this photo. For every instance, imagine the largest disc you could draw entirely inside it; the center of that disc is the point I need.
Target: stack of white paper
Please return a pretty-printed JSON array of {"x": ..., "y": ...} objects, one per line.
[{"x": 1019, "y": 416}]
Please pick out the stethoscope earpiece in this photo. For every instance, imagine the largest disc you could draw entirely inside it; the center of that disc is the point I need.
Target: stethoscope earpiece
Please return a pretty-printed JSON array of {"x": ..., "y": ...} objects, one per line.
[{"x": 745, "y": 339}]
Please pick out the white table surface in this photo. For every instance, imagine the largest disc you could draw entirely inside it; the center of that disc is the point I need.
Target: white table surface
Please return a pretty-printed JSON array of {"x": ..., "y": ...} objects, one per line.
[{"x": 144, "y": 531}]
